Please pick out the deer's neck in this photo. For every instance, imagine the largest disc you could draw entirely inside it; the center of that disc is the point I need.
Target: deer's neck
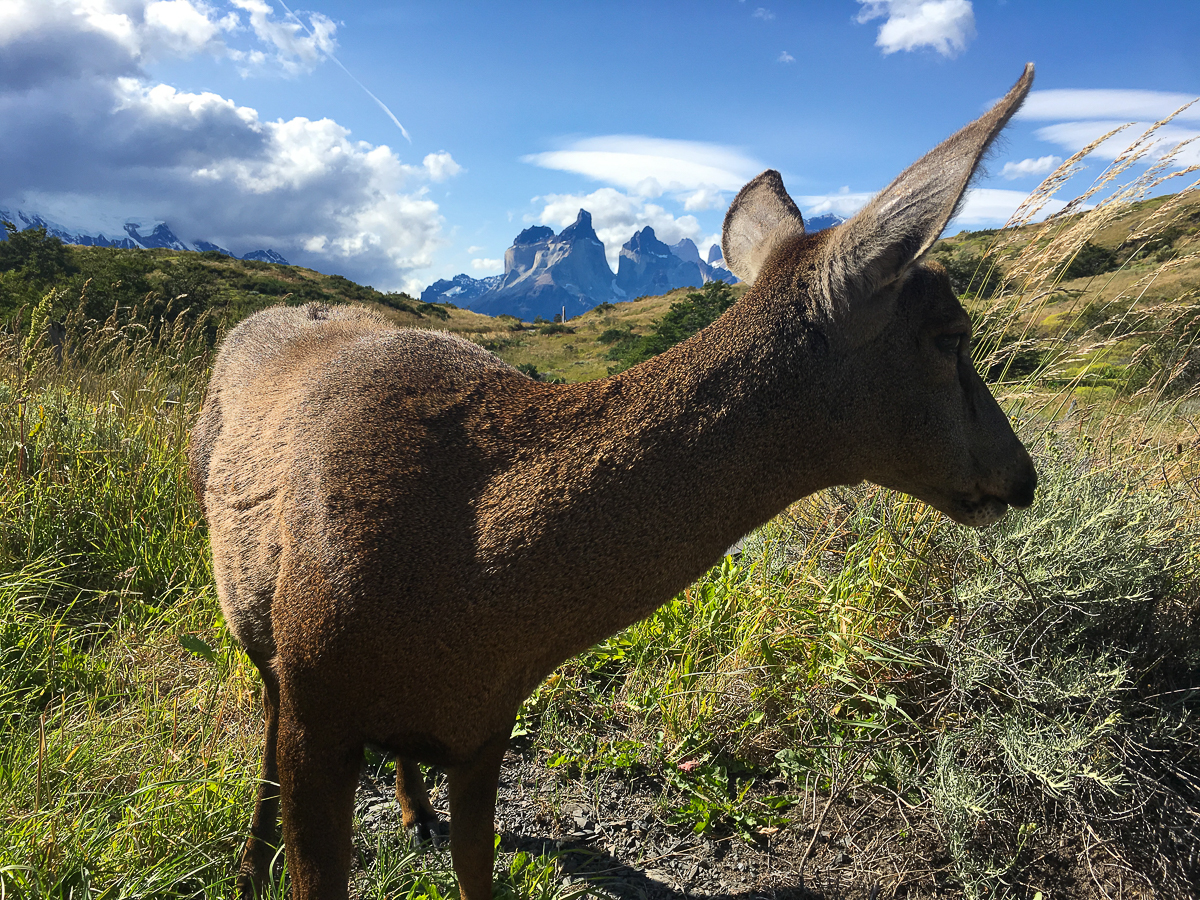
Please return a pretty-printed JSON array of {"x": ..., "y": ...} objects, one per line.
[
  {"x": 738, "y": 423},
  {"x": 666, "y": 465}
]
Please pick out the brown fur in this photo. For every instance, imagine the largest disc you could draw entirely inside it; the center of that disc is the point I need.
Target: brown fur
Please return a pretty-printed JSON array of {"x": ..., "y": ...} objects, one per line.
[{"x": 408, "y": 535}]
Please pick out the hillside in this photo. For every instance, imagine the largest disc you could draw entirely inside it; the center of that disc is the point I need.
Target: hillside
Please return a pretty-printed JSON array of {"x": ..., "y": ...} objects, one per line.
[
  {"x": 1108, "y": 264},
  {"x": 213, "y": 292},
  {"x": 140, "y": 284},
  {"x": 1118, "y": 307},
  {"x": 1112, "y": 311}
]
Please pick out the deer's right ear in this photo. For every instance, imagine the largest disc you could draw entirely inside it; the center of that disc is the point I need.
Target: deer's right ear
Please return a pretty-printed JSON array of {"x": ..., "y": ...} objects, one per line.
[
  {"x": 901, "y": 223},
  {"x": 761, "y": 216}
]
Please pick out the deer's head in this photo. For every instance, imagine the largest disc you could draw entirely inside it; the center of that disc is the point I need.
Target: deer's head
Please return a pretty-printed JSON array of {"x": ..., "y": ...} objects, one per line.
[{"x": 899, "y": 340}]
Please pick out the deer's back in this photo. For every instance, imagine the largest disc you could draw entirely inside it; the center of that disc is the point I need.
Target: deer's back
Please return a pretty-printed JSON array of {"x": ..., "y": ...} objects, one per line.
[{"x": 312, "y": 417}]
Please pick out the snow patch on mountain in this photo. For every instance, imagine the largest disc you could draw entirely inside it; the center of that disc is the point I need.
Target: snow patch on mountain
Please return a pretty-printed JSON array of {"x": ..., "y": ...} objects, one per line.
[{"x": 133, "y": 233}]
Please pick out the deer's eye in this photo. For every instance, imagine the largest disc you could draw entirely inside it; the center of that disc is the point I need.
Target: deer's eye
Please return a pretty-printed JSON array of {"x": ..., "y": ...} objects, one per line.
[{"x": 950, "y": 344}]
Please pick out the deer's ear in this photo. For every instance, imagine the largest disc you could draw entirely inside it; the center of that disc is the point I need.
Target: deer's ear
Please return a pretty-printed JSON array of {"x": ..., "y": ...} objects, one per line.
[
  {"x": 760, "y": 217},
  {"x": 903, "y": 220}
]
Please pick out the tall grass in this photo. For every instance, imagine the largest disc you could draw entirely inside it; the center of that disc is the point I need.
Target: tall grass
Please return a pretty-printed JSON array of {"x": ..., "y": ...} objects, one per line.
[
  {"x": 131, "y": 722},
  {"x": 127, "y": 761}
]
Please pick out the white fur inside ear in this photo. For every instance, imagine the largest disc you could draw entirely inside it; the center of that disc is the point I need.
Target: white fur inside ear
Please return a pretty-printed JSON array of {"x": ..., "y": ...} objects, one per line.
[{"x": 760, "y": 218}]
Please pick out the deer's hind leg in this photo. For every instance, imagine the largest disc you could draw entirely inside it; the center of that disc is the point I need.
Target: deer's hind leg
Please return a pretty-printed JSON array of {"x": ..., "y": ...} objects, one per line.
[
  {"x": 418, "y": 813},
  {"x": 319, "y": 764},
  {"x": 254, "y": 870}
]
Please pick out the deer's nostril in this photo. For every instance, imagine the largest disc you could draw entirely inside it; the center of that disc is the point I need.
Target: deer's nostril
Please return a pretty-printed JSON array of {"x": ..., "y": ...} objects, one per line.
[{"x": 1022, "y": 493}]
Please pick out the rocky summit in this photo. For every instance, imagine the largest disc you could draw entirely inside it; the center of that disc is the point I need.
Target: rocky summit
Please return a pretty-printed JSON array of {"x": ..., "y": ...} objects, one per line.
[
  {"x": 546, "y": 274},
  {"x": 647, "y": 266}
]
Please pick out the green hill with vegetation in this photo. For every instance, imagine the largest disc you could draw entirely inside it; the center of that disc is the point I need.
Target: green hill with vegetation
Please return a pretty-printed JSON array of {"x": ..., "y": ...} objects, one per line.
[{"x": 867, "y": 700}]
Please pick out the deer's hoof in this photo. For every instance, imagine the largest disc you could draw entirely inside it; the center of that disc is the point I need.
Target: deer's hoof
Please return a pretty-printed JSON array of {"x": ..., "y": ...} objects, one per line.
[{"x": 430, "y": 835}]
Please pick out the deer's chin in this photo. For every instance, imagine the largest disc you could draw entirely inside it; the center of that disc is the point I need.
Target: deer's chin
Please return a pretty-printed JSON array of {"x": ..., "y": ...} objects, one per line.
[{"x": 976, "y": 511}]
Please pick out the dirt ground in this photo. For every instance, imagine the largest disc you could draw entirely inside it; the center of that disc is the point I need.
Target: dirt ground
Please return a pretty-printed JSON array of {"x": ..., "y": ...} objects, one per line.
[{"x": 608, "y": 830}]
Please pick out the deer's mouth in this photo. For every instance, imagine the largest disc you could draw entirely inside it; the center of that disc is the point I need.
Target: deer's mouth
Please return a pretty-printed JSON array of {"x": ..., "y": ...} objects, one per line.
[{"x": 976, "y": 511}]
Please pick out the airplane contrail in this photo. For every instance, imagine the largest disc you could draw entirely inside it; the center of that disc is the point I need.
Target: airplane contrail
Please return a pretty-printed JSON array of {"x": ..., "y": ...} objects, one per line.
[{"x": 382, "y": 105}]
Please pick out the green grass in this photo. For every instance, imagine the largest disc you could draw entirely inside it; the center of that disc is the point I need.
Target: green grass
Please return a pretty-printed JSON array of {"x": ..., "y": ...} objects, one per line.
[
  {"x": 684, "y": 318},
  {"x": 1009, "y": 681},
  {"x": 131, "y": 720}
]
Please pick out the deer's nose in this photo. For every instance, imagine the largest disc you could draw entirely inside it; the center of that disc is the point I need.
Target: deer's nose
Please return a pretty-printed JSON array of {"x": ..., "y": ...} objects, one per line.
[{"x": 1021, "y": 493}]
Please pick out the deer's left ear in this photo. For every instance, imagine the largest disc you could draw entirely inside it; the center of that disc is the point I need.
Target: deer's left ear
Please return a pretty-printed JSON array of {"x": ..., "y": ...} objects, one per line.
[
  {"x": 761, "y": 216},
  {"x": 901, "y": 223}
]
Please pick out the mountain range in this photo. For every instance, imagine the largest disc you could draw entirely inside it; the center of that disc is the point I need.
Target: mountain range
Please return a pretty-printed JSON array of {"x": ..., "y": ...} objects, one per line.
[
  {"x": 135, "y": 233},
  {"x": 547, "y": 274}
]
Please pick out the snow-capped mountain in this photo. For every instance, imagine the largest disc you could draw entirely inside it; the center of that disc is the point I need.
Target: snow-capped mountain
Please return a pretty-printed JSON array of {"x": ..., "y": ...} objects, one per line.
[
  {"x": 134, "y": 233},
  {"x": 813, "y": 224},
  {"x": 461, "y": 290}
]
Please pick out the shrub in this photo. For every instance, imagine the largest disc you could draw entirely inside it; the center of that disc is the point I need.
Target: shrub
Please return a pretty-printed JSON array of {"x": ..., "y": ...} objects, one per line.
[
  {"x": 684, "y": 318},
  {"x": 1090, "y": 260},
  {"x": 613, "y": 335}
]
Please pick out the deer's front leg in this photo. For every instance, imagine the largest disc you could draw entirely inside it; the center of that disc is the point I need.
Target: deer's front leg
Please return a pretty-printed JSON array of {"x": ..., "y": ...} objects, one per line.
[{"x": 472, "y": 818}]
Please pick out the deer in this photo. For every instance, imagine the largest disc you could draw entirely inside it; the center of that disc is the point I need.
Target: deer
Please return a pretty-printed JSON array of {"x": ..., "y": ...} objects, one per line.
[{"x": 408, "y": 535}]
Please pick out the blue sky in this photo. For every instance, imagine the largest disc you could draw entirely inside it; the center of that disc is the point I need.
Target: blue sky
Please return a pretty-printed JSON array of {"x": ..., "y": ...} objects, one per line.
[{"x": 251, "y": 125}]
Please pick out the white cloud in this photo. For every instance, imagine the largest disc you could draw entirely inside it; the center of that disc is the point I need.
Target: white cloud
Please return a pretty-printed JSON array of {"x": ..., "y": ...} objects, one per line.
[
  {"x": 1043, "y": 165},
  {"x": 945, "y": 25},
  {"x": 474, "y": 249},
  {"x": 492, "y": 266},
  {"x": 616, "y": 215},
  {"x": 1074, "y": 136},
  {"x": 765, "y": 14},
  {"x": 1081, "y": 116},
  {"x": 184, "y": 27},
  {"x": 441, "y": 166},
  {"x": 651, "y": 166},
  {"x": 785, "y": 57},
  {"x": 148, "y": 30},
  {"x": 296, "y": 48},
  {"x": 994, "y": 206},
  {"x": 981, "y": 206},
  {"x": 703, "y": 198},
  {"x": 1125, "y": 105},
  {"x": 88, "y": 134},
  {"x": 844, "y": 203}
]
